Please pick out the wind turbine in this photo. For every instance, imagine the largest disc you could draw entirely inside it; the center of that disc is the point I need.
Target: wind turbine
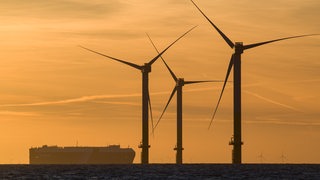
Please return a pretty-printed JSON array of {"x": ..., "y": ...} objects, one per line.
[
  {"x": 283, "y": 158},
  {"x": 145, "y": 69},
  {"x": 261, "y": 157},
  {"x": 235, "y": 62},
  {"x": 180, "y": 82}
]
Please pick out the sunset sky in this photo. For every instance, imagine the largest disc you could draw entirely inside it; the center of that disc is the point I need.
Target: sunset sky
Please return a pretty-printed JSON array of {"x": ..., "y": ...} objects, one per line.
[{"x": 53, "y": 92}]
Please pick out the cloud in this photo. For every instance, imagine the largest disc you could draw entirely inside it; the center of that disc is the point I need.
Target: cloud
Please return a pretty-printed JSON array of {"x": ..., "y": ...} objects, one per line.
[
  {"x": 58, "y": 8},
  {"x": 272, "y": 101},
  {"x": 118, "y": 103},
  {"x": 97, "y": 97},
  {"x": 15, "y": 113},
  {"x": 265, "y": 120},
  {"x": 259, "y": 120},
  {"x": 302, "y": 81},
  {"x": 73, "y": 100}
]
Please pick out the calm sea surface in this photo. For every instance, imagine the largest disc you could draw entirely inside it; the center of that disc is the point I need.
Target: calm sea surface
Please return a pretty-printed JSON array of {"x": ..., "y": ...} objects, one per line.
[{"x": 162, "y": 171}]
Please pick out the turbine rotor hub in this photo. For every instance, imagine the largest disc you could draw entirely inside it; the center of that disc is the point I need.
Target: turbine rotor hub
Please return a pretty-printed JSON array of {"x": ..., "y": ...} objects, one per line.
[
  {"x": 180, "y": 82},
  {"x": 146, "y": 68},
  {"x": 238, "y": 47}
]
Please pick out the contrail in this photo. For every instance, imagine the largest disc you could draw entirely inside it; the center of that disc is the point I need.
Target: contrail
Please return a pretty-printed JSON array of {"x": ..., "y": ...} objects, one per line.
[
  {"x": 302, "y": 81},
  {"x": 272, "y": 101},
  {"x": 260, "y": 120},
  {"x": 282, "y": 122},
  {"x": 14, "y": 113},
  {"x": 73, "y": 100},
  {"x": 117, "y": 103},
  {"x": 110, "y": 96},
  {"x": 92, "y": 98}
]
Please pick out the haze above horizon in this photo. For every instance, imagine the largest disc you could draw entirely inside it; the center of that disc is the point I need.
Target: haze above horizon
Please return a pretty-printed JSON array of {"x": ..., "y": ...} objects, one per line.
[{"x": 55, "y": 93}]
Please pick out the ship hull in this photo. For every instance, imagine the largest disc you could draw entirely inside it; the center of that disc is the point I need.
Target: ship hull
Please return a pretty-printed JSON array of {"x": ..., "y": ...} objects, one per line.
[{"x": 81, "y": 155}]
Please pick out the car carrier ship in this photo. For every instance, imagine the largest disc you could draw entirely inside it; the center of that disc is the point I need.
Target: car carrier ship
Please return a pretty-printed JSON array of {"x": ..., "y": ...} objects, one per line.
[{"x": 112, "y": 154}]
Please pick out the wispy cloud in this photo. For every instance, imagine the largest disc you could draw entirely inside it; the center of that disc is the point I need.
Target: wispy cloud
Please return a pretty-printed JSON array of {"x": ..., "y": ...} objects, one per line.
[
  {"x": 265, "y": 120},
  {"x": 302, "y": 81},
  {"x": 260, "y": 120},
  {"x": 73, "y": 100},
  {"x": 272, "y": 101},
  {"x": 58, "y": 8},
  {"x": 118, "y": 103},
  {"x": 15, "y": 113},
  {"x": 94, "y": 98}
]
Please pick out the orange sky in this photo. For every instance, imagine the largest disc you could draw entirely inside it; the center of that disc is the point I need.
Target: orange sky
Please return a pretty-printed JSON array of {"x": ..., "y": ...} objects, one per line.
[{"x": 53, "y": 92}]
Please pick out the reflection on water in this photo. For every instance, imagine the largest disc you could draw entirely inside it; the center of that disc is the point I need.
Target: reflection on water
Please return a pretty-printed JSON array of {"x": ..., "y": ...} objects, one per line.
[{"x": 161, "y": 171}]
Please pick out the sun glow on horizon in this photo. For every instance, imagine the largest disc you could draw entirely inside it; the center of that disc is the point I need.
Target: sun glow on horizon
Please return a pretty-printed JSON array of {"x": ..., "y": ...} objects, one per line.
[{"x": 55, "y": 93}]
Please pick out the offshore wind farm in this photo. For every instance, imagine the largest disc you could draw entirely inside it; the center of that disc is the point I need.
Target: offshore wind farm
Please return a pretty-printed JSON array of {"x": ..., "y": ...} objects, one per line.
[
  {"x": 54, "y": 92},
  {"x": 146, "y": 102}
]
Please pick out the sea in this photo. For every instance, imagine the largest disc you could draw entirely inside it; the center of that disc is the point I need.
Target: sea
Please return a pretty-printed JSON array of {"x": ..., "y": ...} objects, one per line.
[{"x": 162, "y": 171}]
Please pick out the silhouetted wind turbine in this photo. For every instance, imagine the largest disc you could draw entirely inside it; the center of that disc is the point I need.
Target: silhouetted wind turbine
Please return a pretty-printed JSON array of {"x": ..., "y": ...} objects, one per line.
[
  {"x": 261, "y": 157},
  {"x": 283, "y": 158},
  {"x": 145, "y": 69},
  {"x": 180, "y": 82},
  {"x": 235, "y": 61}
]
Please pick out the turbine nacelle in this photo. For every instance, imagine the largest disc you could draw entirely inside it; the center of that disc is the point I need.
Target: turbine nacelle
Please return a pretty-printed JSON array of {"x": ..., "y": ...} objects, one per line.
[
  {"x": 238, "y": 47},
  {"x": 180, "y": 82},
  {"x": 146, "y": 68}
]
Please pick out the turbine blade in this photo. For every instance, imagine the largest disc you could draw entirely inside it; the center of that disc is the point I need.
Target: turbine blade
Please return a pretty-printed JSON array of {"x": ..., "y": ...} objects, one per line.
[
  {"x": 150, "y": 109},
  {"x": 171, "y": 72},
  {"x": 224, "y": 85},
  {"x": 155, "y": 58},
  {"x": 194, "y": 82},
  {"x": 275, "y": 40},
  {"x": 119, "y": 60},
  {"x": 165, "y": 108},
  {"x": 229, "y": 42}
]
